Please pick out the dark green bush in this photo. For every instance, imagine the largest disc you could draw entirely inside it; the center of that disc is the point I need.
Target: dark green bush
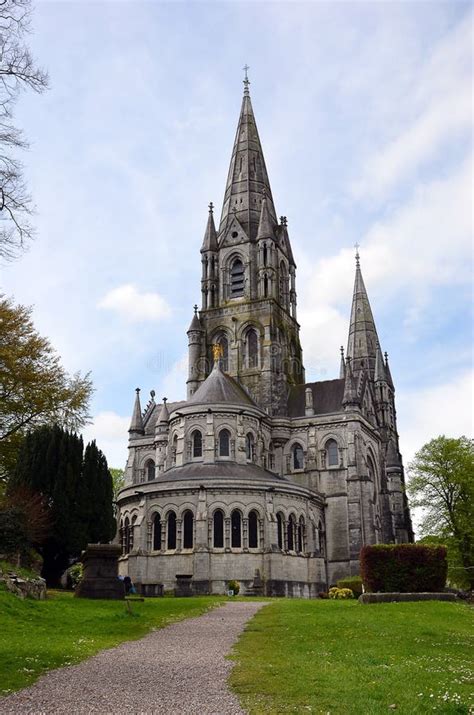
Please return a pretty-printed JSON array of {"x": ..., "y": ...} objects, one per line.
[
  {"x": 403, "y": 568},
  {"x": 352, "y": 582}
]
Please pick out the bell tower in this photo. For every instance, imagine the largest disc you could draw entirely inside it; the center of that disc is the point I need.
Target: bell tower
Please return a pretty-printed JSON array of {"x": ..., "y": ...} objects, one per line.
[{"x": 248, "y": 281}]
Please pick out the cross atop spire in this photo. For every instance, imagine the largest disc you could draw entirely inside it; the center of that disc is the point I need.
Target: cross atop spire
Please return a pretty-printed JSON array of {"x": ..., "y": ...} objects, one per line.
[
  {"x": 246, "y": 79},
  {"x": 211, "y": 208},
  {"x": 357, "y": 256}
]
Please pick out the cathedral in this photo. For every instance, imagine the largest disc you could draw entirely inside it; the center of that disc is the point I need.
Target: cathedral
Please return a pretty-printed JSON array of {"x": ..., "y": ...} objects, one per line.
[{"x": 259, "y": 476}]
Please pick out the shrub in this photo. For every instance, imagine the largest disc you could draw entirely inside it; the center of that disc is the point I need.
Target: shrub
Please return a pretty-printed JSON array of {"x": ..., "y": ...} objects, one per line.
[
  {"x": 234, "y": 586},
  {"x": 340, "y": 593},
  {"x": 75, "y": 573},
  {"x": 352, "y": 582},
  {"x": 323, "y": 594},
  {"x": 403, "y": 568}
]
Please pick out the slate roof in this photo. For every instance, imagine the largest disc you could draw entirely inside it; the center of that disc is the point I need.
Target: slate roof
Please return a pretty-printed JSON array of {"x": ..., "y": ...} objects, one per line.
[
  {"x": 220, "y": 388},
  {"x": 327, "y": 397},
  {"x": 151, "y": 421},
  {"x": 230, "y": 471}
]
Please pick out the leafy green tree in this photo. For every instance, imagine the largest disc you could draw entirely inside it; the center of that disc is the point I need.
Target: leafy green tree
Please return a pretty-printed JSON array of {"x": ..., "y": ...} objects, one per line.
[
  {"x": 118, "y": 479},
  {"x": 34, "y": 387},
  {"x": 76, "y": 486},
  {"x": 442, "y": 484}
]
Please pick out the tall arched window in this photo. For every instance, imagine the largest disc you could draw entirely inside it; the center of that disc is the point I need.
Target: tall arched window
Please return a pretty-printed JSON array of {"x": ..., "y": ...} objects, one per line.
[
  {"x": 249, "y": 447},
  {"x": 224, "y": 343},
  {"x": 224, "y": 443},
  {"x": 150, "y": 470},
  {"x": 332, "y": 452},
  {"x": 218, "y": 529},
  {"x": 251, "y": 348},
  {"x": 237, "y": 278},
  {"x": 280, "y": 524},
  {"x": 322, "y": 544},
  {"x": 188, "y": 529},
  {"x": 253, "y": 530},
  {"x": 301, "y": 535},
  {"x": 283, "y": 284},
  {"x": 265, "y": 286},
  {"x": 291, "y": 533},
  {"x": 126, "y": 536},
  {"x": 171, "y": 530},
  {"x": 297, "y": 453},
  {"x": 174, "y": 449},
  {"x": 157, "y": 533},
  {"x": 196, "y": 438},
  {"x": 236, "y": 529}
]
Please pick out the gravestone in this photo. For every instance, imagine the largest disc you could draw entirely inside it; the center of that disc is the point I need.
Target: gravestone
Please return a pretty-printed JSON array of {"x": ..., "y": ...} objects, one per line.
[
  {"x": 100, "y": 579},
  {"x": 184, "y": 585}
]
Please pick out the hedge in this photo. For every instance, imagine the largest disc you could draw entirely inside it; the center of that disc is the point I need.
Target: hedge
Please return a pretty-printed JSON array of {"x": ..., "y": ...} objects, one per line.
[
  {"x": 403, "y": 568},
  {"x": 352, "y": 582}
]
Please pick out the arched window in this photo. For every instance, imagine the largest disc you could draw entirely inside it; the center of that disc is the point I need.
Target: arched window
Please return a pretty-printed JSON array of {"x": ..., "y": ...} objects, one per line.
[
  {"x": 265, "y": 286},
  {"x": 301, "y": 535},
  {"x": 188, "y": 529},
  {"x": 280, "y": 523},
  {"x": 171, "y": 535},
  {"x": 297, "y": 456},
  {"x": 224, "y": 343},
  {"x": 251, "y": 348},
  {"x": 253, "y": 530},
  {"x": 157, "y": 533},
  {"x": 126, "y": 536},
  {"x": 236, "y": 529},
  {"x": 249, "y": 447},
  {"x": 174, "y": 449},
  {"x": 237, "y": 278},
  {"x": 150, "y": 470},
  {"x": 291, "y": 533},
  {"x": 205, "y": 266},
  {"x": 224, "y": 443},
  {"x": 332, "y": 452},
  {"x": 283, "y": 284},
  {"x": 218, "y": 529},
  {"x": 196, "y": 438},
  {"x": 265, "y": 254},
  {"x": 271, "y": 457},
  {"x": 322, "y": 545}
]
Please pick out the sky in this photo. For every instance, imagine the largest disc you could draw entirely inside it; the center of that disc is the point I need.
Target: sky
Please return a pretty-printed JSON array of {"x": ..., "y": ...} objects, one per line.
[{"x": 365, "y": 115}]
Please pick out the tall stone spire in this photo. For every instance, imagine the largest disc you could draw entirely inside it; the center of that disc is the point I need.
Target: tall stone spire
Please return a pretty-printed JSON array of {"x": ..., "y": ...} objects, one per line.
[
  {"x": 136, "y": 425},
  {"x": 247, "y": 176},
  {"x": 363, "y": 339}
]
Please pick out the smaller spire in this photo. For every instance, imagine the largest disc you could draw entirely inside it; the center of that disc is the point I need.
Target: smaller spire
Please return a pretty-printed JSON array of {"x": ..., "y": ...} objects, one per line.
[
  {"x": 379, "y": 374},
  {"x": 342, "y": 369},
  {"x": 164, "y": 415},
  {"x": 195, "y": 322},
  {"x": 136, "y": 425},
  {"x": 350, "y": 387},
  {"x": 265, "y": 225},
  {"x": 246, "y": 80},
  {"x": 209, "y": 242},
  {"x": 388, "y": 373}
]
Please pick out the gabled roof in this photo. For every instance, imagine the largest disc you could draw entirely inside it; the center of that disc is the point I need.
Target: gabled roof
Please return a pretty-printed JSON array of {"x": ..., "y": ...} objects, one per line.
[
  {"x": 327, "y": 397},
  {"x": 219, "y": 388}
]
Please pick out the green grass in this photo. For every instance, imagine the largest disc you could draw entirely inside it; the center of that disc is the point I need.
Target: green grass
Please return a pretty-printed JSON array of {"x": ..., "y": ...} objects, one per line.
[
  {"x": 344, "y": 658},
  {"x": 6, "y": 566},
  {"x": 39, "y": 635}
]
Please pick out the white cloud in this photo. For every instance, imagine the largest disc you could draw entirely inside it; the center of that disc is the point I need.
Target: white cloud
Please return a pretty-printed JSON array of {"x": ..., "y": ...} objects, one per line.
[
  {"x": 110, "y": 431},
  {"x": 134, "y": 306}
]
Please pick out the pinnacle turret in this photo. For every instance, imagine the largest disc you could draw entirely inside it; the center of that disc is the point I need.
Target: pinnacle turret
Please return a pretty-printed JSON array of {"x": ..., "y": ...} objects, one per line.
[
  {"x": 266, "y": 225},
  {"x": 210, "y": 236},
  {"x": 136, "y": 425},
  {"x": 342, "y": 368},
  {"x": 379, "y": 375}
]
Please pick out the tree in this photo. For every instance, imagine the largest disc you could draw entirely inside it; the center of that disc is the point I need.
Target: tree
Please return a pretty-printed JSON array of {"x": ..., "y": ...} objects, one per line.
[
  {"x": 17, "y": 73},
  {"x": 76, "y": 485},
  {"x": 442, "y": 484},
  {"x": 34, "y": 387},
  {"x": 118, "y": 479}
]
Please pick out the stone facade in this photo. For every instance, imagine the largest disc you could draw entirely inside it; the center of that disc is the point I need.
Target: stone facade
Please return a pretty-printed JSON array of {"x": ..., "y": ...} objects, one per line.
[{"x": 259, "y": 476}]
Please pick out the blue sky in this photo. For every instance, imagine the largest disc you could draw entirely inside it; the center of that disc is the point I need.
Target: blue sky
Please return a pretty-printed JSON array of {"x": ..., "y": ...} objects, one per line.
[{"x": 365, "y": 113}]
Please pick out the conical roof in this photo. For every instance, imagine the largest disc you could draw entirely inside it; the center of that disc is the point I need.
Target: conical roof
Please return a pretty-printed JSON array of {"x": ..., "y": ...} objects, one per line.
[
  {"x": 136, "y": 424},
  {"x": 247, "y": 176},
  {"x": 363, "y": 339},
  {"x": 195, "y": 322},
  {"x": 209, "y": 242},
  {"x": 164, "y": 416},
  {"x": 220, "y": 388}
]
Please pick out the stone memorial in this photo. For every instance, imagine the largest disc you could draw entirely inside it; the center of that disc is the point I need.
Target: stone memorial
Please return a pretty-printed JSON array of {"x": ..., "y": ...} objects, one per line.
[{"x": 100, "y": 578}]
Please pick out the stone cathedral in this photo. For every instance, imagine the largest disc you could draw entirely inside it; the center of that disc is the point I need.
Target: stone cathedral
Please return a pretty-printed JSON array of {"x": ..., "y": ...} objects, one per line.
[{"x": 259, "y": 476}]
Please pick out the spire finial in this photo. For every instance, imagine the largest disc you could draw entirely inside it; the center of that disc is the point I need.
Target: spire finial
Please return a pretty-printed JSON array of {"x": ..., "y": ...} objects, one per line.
[
  {"x": 246, "y": 79},
  {"x": 137, "y": 390},
  {"x": 165, "y": 399},
  {"x": 357, "y": 256},
  {"x": 342, "y": 351},
  {"x": 386, "y": 356},
  {"x": 211, "y": 208},
  {"x": 195, "y": 309}
]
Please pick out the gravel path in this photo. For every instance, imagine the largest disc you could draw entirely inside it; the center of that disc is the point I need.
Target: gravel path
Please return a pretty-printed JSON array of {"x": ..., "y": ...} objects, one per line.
[{"x": 180, "y": 669}]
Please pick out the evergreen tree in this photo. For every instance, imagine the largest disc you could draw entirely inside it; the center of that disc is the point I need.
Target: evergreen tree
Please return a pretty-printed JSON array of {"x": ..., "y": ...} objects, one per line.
[{"x": 77, "y": 487}]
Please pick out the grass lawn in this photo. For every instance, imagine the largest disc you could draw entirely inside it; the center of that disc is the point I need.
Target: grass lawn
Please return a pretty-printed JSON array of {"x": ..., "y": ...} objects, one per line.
[
  {"x": 39, "y": 635},
  {"x": 340, "y": 657}
]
